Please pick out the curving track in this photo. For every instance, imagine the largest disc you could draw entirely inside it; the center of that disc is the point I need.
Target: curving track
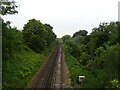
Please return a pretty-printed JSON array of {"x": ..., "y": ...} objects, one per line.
[{"x": 53, "y": 73}]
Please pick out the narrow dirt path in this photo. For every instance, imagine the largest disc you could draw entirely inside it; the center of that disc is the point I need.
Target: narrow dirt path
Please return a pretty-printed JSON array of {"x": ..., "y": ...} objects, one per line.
[{"x": 53, "y": 73}]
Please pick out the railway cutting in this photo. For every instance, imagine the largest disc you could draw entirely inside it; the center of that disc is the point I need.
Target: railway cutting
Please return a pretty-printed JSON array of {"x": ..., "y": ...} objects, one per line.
[{"x": 53, "y": 74}]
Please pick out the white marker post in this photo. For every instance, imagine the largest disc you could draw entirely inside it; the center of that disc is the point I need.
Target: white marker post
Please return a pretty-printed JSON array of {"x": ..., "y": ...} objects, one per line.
[{"x": 81, "y": 79}]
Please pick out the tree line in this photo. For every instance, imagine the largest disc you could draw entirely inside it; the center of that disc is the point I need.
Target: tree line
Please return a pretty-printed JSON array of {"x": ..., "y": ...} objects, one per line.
[
  {"x": 23, "y": 51},
  {"x": 35, "y": 35},
  {"x": 97, "y": 54}
]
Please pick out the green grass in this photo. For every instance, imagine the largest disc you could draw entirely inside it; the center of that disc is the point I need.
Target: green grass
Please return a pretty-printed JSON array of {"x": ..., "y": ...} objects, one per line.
[
  {"x": 18, "y": 71},
  {"x": 76, "y": 70},
  {"x": 95, "y": 76}
]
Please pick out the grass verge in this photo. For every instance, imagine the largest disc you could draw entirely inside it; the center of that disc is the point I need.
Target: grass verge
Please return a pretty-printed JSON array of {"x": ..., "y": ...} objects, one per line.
[
  {"x": 76, "y": 70},
  {"x": 18, "y": 71}
]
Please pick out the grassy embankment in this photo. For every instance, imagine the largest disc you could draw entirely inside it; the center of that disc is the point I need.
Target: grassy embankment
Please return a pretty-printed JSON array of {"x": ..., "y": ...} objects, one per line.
[
  {"x": 96, "y": 77},
  {"x": 75, "y": 70},
  {"x": 18, "y": 71}
]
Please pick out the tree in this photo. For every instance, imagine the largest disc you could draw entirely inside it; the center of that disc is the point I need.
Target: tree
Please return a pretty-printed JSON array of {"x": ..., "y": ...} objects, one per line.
[
  {"x": 98, "y": 54},
  {"x": 79, "y": 39},
  {"x": 12, "y": 40},
  {"x": 108, "y": 62},
  {"x": 8, "y": 7},
  {"x": 65, "y": 38},
  {"x": 118, "y": 29},
  {"x": 34, "y": 35},
  {"x": 80, "y": 32},
  {"x": 50, "y": 35},
  {"x": 11, "y": 37}
]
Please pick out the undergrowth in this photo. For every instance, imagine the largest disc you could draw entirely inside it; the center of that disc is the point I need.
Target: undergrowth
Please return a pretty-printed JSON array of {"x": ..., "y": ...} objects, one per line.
[{"x": 18, "y": 71}]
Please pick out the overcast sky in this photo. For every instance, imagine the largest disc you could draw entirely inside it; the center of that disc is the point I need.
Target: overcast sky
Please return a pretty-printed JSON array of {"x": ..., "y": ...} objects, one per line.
[{"x": 65, "y": 16}]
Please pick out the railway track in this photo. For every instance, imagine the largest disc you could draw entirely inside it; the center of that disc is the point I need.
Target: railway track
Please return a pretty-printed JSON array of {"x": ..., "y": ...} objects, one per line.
[{"x": 52, "y": 75}]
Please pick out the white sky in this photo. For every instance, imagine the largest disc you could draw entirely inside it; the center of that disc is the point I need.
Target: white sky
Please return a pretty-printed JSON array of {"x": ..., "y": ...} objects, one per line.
[{"x": 65, "y": 16}]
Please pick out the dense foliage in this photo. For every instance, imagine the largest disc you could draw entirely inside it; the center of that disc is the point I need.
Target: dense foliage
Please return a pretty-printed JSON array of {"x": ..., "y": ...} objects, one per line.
[
  {"x": 37, "y": 35},
  {"x": 8, "y": 7},
  {"x": 19, "y": 71},
  {"x": 23, "y": 52},
  {"x": 95, "y": 55}
]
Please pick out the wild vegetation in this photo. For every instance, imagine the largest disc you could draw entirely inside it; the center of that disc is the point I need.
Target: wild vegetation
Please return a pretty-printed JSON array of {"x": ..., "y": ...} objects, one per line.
[
  {"x": 95, "y": 56},
  {"x": 23, "y": 52}
]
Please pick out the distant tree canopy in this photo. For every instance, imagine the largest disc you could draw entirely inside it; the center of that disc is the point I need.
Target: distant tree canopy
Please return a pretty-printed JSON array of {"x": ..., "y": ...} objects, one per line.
[
  {"x": 80, "y": 32},
  {"x": 66, "y": 37},
  {"x": 8, "y": 7},
  {"x": 37, "y": 35}
]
